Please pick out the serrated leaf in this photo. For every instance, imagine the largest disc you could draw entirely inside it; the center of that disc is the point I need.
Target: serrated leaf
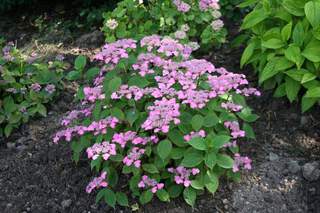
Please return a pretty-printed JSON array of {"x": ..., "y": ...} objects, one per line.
[
  {"x": 164, "y": 149},
  {"x": 190, "y": 196},
  {"x": 197, "y": 122},
  {"x": 122, "y": 199}
]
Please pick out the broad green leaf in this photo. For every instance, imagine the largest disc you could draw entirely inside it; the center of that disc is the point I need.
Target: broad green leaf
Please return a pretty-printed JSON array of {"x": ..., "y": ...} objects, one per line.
[
  {"x": 224, "y": 161},
  {"x": 73, "y": 75},
  {"x": 307, "y": 103},
  {"x": 210, "y": 159},
  {"x": 212, "y": 182},
  {"x": 114, "y": 84},
  {"x": 292, "y": 88},
  {"x": 313, "y": 93},
  {"x": 122, "y": 199},
  {"x": 197, "y": 122},
  {"x": 80, "y": 62},
  {"x": 273, "y": 43},
  {"x": 312, "y": 10},
  {"x": 292, "y": 6},
  {"x": 198, "y": 143},
  {"x": 110, "y": 197},
  {"x": 146, "y": 197},
  {"x": 220, "y": 140},
  {"x": 210, "y": 120},
  {"x": 293, "y": 53},
  {"x": 175, "y": 191},
  {"x": 138, "y": 81},
  {"x": 298, "y": 34},
  {"x": 247, "y": 53},
  {"x": 308, "y": 77},
  {"x": 249, "y": 131},
  {"x": 164, "y": 149},
  {"x": 286, "y": 32},
  {"x": 92, "y": 73},
  {"x": 190, "y": 196},
  {"x": 177, "y": 138},
  {"x": 163, "y": 195},
  {"x": 311, "y": 52},
  {"x": 192, "y": 158},
  {"x": 150, "y": 168}
]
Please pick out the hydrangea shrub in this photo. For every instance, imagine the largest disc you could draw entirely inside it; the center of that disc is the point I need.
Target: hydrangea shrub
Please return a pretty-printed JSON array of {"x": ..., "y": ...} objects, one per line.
[
  {"x": 159, "y": 123},
  {"x": 196, "y": 20},
  {"x": 26, "y": 84}
]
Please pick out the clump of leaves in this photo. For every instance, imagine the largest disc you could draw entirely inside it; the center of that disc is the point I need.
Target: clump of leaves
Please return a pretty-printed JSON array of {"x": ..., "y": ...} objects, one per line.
[
  {"x": 26, "y": 85},
  {"x": 284, "y": 47},
  {"x": 165, "y": 124},
  {"x": 188, "y": 19}
]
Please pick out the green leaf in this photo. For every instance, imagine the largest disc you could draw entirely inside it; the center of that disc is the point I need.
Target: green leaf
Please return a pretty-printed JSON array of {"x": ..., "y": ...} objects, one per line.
[
  {"x": 164, "y": 149},
  {"x": 292, "y": 88},
  {"x": 192, "y": 158},
  {"x": 116, "y": 112},
  {"x": 197, "y": 122},
  {"x": 280, "y": 91},
  {"x": 110, "y": 197},
  {"x": 211, "y": 159},
  {"x": 224, "y": 161},
  {"x": 80, "y": 62},
  {"x": 210, "y": 120},
  {"x": 100, "y": 195},
  {"x": 198, "y": 143},
  {"x": 253, "y": 18},
  {"x": 313, "y": 93},
  {"x": 114, "y": 84},
  {"x": 308, "y": 77},
  {"x": 175, "y": 191},
  {"x": 247, "y": 115},
  {"x": 122, "y": 199},
  {"x": 190, "y": 196},
  {"x": 299, "y": 34},
  {"x": 177, "y": 138},
  {"x": 292, "y": 6},
  {"x": 220, "y": 140},
  {"x": 249, "y": 131},
  {"x": 311, "y": 52},
  {"x": 212, "y": 182},
  {"x": 163, "y": 195},
  {"x": 41, "y": 109},
  {"x": 293, "y": 53},
  {"x": 7, "y": 130},
  {"x": 92, "y": 73},
  {"x": 286, "y": 32},
  {"x": 273, "y": 43},
  {"x": 146, "y": 197},
  {"x": 247, "y": 53},
  {"x": 73, "y": 75},
  {"x": 307, "y": 103},
  {"x": 150, "y": 168},
  {"x": 312, "y": 10},
  {"x": 138, "y": 81}
]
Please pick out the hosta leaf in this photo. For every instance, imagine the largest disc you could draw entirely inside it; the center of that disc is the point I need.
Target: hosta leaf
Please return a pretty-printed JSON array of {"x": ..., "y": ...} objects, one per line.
[
  {"x": 292, "y": 88},
  {"x": 311, "y": 52},
  {"x": 312, "y": 10},
  {"x": 253, "y": 18},
  {"x": 313, "y": 93},
  {"x": 273, "y": 43}
]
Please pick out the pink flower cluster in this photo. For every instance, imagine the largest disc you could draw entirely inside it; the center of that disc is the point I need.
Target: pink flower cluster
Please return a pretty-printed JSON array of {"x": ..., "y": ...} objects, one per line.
[
  {"x": 161, "y": 114},
  {"x": 97, "y": 182},
  {"x": 235, "y": 129},
  {"x": 181, "y": 6},
  {"x": 145, "y": 61},
  {"x": 93, "y": 93},
  {"x": 209, "y": 4},
  {"x": 133, "y": 157},
  {"x": 248, "y": 91},
  {"x": 96, "y": 127},
  {"x": 147, "y": 182},
  {"x": 75, "y": 114},
  {"x": 240, "y": 161},
  {"x": 112, "y": 53},
  {"x": 182, "y": 175},
  {"x": 35, "y": 87},
  {"x": 231, "y": 106},
  {"x": 192, "y": 134},
  {"x": 105, "y": 149},
  {"x": 128, "y": 92},
  {"x": 123, "y": 138}
]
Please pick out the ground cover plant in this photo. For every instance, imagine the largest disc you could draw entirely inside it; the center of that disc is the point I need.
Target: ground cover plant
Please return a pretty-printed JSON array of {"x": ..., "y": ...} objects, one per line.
[
  {"x": 284, "y": 47},
  {"x": 159, "y": 123},
  {"x": 26, "y": 85},
  {"x": 187, "y": 20}
]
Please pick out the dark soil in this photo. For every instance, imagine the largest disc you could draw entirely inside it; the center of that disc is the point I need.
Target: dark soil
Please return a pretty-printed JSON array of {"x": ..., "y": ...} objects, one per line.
[{"x": 37, "y": 176}]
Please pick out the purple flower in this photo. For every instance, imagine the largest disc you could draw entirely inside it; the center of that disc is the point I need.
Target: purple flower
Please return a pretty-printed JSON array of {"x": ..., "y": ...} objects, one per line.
[
  {"x": 50, "y": 88},
  {"x": 36, "y": 87}
]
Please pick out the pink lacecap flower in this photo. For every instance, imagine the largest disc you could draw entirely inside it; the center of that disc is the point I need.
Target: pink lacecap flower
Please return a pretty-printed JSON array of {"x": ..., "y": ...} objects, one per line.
[
  {"x": 240, "y": 161},
  {"x": 236, "y": 132},
  {"x": 181, "y": 6},
  {"x": 133, "y": 158},
  {"x": 200, "y": 133},
  {"x": 105, "y": 149},
  {"x": 97, "y": 182},
  {"x": 147, "y": 182},
  {"x": 182, "y": 175}
]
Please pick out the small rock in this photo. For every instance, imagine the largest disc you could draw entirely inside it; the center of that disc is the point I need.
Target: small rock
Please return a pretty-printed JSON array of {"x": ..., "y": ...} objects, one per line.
[
  {"x": 11, "y": 145},
  {"x": 21, "y": 147},
  {"x": 9, "y": 205},
  {"x": 273, "y": 156},
  {"x": 310, "y": 171},
  {"x": 66, "y": 203},
  {"x": 94, "y": 39},
  {"x": 304, "y": 120},
  {"x": 225, "y": 201},
  {"x": 294, "y": 167}
]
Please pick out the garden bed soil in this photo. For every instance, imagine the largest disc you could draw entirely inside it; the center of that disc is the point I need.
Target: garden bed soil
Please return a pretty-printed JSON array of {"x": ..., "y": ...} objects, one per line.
[{"x": 38, "y": 176}]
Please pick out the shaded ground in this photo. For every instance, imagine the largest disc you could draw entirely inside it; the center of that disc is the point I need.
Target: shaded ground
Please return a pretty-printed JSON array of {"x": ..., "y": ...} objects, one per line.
[{"x": 37, "y": 176}]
